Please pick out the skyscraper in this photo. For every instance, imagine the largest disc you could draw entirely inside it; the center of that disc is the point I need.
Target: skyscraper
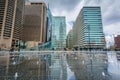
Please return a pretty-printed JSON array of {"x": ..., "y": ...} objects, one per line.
[
  {"x": 69, "y": 42},
  {"x": 58, "y": 32},
  {"x": 88, "y": 30},
  {"x": 35, "y": 17},
  {"x": 11, "y": 18},
  {"x": 49, "y": 25}
]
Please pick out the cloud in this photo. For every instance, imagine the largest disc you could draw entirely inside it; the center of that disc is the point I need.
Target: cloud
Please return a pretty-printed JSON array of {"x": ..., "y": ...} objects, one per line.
[
  {"x": 71, "y": 23},
  {"x": 71, "y": 8},
  {"x": 112, "y": 28},
  {"x": 110, "y": 11},
  {"x": 61, "y": 5},
  {"x": 68, "y": 8},
  {"x": 110, "y": 14}
]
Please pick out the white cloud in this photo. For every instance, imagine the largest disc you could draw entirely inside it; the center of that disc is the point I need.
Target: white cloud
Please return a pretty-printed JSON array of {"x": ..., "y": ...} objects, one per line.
[
  {"x": 112, "y": 28},
  {"x": 70, "y": 8},
  {"x": 70, "y": 15}
]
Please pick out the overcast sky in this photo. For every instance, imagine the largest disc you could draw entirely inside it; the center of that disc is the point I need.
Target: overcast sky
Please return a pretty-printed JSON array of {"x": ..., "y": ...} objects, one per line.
[{"x": 70, "y": 8}]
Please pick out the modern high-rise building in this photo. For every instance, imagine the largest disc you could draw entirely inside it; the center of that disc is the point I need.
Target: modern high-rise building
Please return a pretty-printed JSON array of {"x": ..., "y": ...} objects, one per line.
[
  {"x": 35, "y": 18},
  {"x": 117, "y": 42},
  {"x": 11, "y": 19},
  {"x": 69, "y": 41},
  {"x": 58, "y": 32},
  {"x": 49, "y": 25},
  {"x": 88, "y": 29}
]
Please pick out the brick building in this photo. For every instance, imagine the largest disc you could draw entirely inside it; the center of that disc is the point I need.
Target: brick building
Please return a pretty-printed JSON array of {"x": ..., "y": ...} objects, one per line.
[{"x": 117, "y": 42}]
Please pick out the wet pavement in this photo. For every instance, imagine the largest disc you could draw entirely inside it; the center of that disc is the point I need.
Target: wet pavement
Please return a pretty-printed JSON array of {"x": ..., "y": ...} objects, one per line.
[
  {"x": 113, "y": 66},
  {"x": 59, "y": 66}
]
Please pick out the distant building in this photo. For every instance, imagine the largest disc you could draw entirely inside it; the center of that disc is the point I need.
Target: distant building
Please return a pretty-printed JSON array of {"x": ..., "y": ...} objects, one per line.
[
  {"x": 69, "y": 41},
  {"x": 58, "y": 32},
  {"x": 35, "y": 17},
  {"x": 117, "y": 42},
  {"x": 88, "y": 30},
  {"x": 11, "y": 20}
]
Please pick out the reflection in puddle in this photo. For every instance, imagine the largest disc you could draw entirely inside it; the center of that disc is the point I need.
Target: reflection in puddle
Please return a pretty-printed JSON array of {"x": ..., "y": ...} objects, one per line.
[
  {"x": 16, "y": 75},
  {"x": 59, "y": 66},
  {"x": 113, "y": 66},
  {"x": 70, "y": 74}
]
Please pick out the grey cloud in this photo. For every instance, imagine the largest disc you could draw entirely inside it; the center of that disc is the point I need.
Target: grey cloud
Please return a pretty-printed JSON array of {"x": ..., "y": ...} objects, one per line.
[
  {"x": 110, "y": 10},
  {"x": 69, "y": 5},
  {"x": 92, "y": 2},
  {"x": 66, "y": 5},
  {"x": 112, "y": 18}
]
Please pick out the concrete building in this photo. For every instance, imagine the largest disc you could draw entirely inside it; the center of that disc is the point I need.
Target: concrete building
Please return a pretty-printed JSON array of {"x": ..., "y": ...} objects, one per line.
[
  {"x": 11, "y": 19},
  {"x": 58, "y": 32},
  {"x": 117, "y": 42},
  {"x": 88, "y": 30},
  {"x": 69, "y": 41},
  {"x": 35, "y": 18}
]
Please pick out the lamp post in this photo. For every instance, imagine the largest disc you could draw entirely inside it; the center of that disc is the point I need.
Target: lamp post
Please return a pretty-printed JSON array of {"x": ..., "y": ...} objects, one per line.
[{"x": 89, "y": 37}]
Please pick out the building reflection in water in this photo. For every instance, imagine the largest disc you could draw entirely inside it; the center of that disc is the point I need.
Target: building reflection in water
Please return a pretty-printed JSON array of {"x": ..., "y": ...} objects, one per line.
[
  {"x": 88, "y": 66},
  {"x": 113, "y": 66},
  {"x": 59, "y": 66}
]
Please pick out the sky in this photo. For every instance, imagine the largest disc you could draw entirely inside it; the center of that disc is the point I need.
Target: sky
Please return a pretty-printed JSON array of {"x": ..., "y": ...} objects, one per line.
[{"x": 70, "y": 8}]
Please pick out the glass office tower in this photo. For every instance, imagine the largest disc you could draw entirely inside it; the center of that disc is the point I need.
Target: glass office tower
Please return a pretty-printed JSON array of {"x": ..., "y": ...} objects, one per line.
[
  {"x": 58, "y": 32},
  {"x": 49, "y": 24},
  {"x": 88, "y": 30}
]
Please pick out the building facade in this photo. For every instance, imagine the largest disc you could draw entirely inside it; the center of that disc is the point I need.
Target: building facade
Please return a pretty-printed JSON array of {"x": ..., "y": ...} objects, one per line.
[
  {"x": 88, "y": 30},
  {"x": 11, "y": 19},
  {"x": 117, "y": 42},
  {"x": 58, "y": 32},
  {"x": 35, "y": 17},
  {"x": 49, "y": 25},
  {"x": 69, "y": 41}
]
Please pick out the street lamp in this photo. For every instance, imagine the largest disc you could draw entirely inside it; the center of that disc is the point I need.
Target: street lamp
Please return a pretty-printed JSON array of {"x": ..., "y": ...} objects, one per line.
[{"x": 89, "y": 36}]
